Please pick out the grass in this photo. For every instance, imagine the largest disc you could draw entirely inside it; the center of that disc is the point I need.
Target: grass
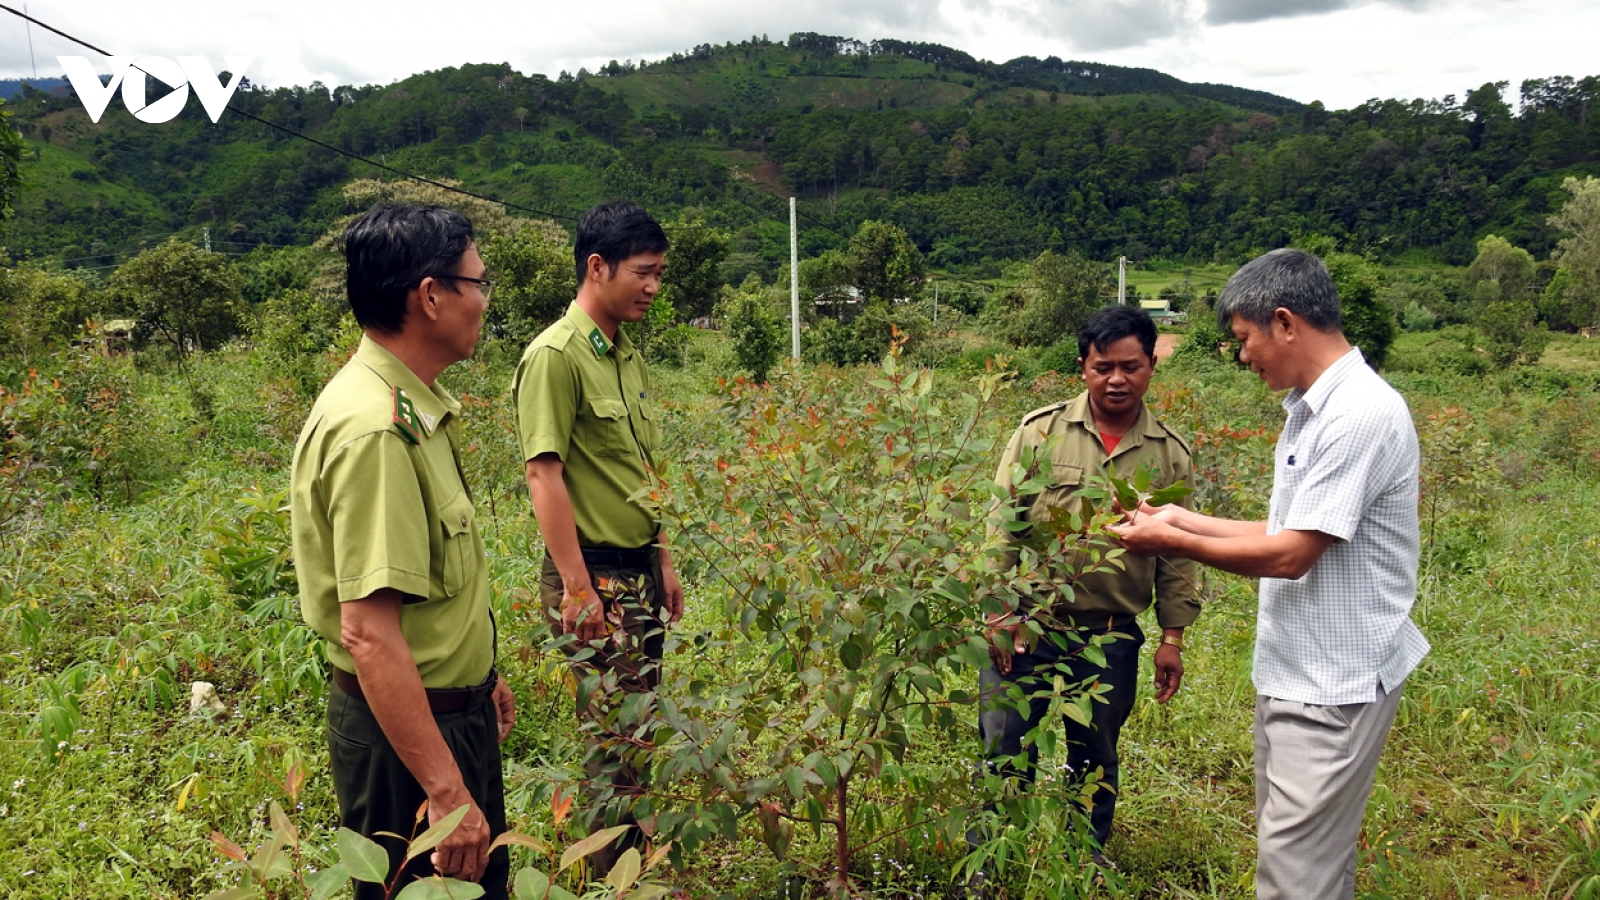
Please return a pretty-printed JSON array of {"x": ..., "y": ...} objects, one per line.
[
  {"x": 115, "y": 606},
  {"x": 1199, "y": 278},
  {"x": 1573, "y": 353}
]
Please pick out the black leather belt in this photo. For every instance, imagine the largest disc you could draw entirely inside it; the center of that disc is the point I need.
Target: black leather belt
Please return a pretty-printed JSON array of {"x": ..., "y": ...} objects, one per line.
[
  {"x": 440, "y": 700},
  {"x": 619, "y": 558}
]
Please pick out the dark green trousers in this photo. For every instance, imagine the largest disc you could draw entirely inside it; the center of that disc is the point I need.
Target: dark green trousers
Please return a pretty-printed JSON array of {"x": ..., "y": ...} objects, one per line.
[{"x": 378, "y": 793}]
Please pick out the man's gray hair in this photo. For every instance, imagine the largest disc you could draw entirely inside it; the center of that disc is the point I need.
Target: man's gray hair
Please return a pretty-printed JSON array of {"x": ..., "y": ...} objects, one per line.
[{"x": 1293, "y": 279}]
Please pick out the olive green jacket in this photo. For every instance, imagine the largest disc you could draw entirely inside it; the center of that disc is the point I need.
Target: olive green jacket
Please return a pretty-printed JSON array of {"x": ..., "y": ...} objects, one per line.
[
  {"x": 589, "y": 401},
  {"x": 1064, "y": 439},
  {"x": 377, "y": 500}
]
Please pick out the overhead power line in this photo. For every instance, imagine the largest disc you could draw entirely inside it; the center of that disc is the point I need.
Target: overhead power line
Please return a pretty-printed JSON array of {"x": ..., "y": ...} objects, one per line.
[
  {"x": 305, "y": 137},
  {"x": 809, "y": 219}
]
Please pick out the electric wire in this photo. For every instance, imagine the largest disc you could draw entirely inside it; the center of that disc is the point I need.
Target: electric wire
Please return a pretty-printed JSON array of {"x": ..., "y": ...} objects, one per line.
[{"x": 305, "y": 137}]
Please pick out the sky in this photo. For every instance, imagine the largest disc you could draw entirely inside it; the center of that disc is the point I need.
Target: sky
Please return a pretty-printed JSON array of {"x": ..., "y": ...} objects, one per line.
[{"x": 1341, "y": 52}]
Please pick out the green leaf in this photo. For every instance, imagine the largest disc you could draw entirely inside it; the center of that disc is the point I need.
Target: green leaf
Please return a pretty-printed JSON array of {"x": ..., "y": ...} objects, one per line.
[
  {"x": 626, "y": 871},
  {"x": 282, "y": 827},
  {"x": 365, "y": 860},
  {"x": 1127, "y": 497},
  {"x": 530, "y": 884},
  {"x": 649, "y": 892},
  {"x": 431, "y": 838},
  {"x": 1172, "y": 493},
  {"x": 513, "y": 839},
  {"x": 591, "y": 843},
  {"x": 269, "y": 861},
  {"x": 1095, "y": 654},
  {"x": 756, "y": 788},
  {"x": 437, "y": 888},
  {"x": 850, "y": 654},
  {"x": 328, "y": 882},
  {"x": 1141, "y": 479}
]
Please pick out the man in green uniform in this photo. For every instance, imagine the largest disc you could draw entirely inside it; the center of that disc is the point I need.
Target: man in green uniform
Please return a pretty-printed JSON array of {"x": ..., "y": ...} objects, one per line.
[
  {"x": 588, "y": 429},
  {"x": 392, "y": 570},
  {"x": 1107, "y": 425}
]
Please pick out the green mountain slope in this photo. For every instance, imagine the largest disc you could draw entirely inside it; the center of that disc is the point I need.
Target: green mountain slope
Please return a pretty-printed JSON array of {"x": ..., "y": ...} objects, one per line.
[{"x": 979, "y": 161}]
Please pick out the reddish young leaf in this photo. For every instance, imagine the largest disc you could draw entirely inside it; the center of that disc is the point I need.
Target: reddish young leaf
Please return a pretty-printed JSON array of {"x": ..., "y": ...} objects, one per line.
[
  {"x": 560, "y": 806},
  {"x": 226, "y": 847}
]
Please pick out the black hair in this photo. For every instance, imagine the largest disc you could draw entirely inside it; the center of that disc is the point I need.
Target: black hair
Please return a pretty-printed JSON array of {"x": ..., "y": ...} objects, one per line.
[
  {"x": 616, "y": 231},
  {"x": 388, "y": 250},
  {"x": 1292, "y": 279},
  {"x": 1112, "y": 324}
]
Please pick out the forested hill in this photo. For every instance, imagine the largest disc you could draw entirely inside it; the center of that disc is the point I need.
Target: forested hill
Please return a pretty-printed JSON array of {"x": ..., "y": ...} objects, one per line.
[
  {"x": 10, "y": 87},
  {"x": 808, "y": 55},
  {"x": 978, "y": 161}
]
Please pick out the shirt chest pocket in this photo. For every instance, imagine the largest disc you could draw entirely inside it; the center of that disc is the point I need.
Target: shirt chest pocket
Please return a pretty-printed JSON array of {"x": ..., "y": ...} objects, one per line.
[
  {"x": 1288, "y": 472},
  {"x": 650, "y": 429},
  {"x": 1065, "y": 480},
  {"x": 1291, "y": 466},
  {"x": 606, "y": 430},
  {"x": 461, "y": 556}
]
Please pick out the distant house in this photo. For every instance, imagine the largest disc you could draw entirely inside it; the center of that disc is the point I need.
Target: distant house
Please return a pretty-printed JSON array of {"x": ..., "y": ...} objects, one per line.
[
  {"x": 118, "y": 334},
  {"x": 1160, "y": 310}
]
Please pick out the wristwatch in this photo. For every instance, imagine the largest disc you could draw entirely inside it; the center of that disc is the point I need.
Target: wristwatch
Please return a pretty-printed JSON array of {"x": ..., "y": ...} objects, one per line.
[{"x": 1173, "y": 640}]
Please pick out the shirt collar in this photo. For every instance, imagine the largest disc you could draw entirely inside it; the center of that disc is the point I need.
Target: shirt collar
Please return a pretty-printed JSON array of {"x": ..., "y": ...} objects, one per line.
[
  {"x": 434, "y": 404},
  {"x": 1145, "y": 424},
  {"x": 594, "y": 337},
  {"x": 1321, "y": 389}
]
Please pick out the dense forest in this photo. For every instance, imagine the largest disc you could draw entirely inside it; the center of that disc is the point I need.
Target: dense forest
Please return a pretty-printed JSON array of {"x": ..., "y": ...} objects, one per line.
[{"x": 979, "y": 162}]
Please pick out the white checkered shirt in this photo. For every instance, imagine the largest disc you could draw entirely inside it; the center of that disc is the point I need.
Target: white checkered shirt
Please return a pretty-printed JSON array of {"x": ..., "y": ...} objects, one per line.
[{"x": 1345, "y": 465}]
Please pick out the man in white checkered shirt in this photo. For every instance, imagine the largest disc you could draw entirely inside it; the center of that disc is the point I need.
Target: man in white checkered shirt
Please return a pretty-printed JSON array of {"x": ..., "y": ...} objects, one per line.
[{"x": 1337, "y": 558}]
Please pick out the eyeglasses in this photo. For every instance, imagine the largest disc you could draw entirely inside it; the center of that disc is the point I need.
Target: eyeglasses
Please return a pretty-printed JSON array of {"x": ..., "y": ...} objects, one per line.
[{"x": 485, "y": 284}]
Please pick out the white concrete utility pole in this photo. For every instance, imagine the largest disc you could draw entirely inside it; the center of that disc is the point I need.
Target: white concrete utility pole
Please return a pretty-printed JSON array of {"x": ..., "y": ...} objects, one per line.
[
  {"x": 1122, "y": 281},
  {"x": 794, "y": 283}
]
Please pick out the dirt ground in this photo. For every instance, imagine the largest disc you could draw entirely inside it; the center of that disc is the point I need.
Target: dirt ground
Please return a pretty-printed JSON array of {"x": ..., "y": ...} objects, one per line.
[{"x": 1166, "y": 343}]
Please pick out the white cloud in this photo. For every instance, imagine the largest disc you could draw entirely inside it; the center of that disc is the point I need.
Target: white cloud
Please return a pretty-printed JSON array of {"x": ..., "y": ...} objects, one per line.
[
  {"x": 1339, "y": 51},
  {"x": 1081, "y": 25}
]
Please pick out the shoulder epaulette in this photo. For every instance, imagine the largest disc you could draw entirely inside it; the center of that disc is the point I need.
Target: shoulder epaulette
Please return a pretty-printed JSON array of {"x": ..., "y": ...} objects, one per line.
[
  {"x": 556, "y": 335},
  {"x": 1044, "y": 410},
  {"x": 405, "y": 417}
]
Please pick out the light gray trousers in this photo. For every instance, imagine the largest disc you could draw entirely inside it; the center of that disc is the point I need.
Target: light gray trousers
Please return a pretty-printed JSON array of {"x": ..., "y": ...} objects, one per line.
[{"x": 1314, "y": 771}]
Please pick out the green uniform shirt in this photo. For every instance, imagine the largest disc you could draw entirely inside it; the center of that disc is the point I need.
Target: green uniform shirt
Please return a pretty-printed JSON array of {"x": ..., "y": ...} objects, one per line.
[
  {"x": 1075, "y": 456},
  {"x": 377, "y": 500},
  {"x": 589, "y": 402}
]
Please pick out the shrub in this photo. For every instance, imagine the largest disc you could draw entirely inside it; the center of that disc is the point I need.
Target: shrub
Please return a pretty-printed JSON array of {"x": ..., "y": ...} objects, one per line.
[
  {"x": 1367, "y": 321},
  {"x": 755, "y": 335},
  {"x": 80, "y": 426},
  {"x": 1451, "y": 350},
  {"x": 847, "y": 538},
  {"x": 181, "y": 296},
  {"x": 1060, "y": 293}
]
